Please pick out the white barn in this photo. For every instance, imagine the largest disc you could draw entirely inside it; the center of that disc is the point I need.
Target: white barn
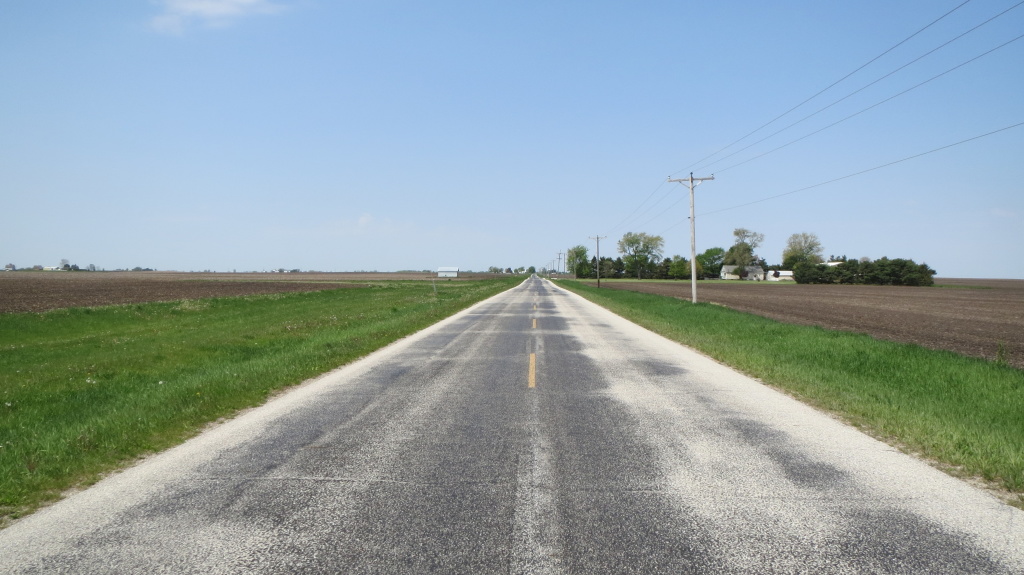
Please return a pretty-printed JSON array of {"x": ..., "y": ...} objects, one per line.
[{"x": 447, "y": 272}]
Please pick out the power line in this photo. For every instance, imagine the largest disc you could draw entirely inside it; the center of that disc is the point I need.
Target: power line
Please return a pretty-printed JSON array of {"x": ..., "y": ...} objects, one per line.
[
  {"x": 627, "y": 218},
  {"x": 875, "y": 105},
  {"x": 861, "y": 89},
  {"x": 633, "y": 215},
  {"x": 866, "y": 171},
  {"x": 830, "y": 86}
]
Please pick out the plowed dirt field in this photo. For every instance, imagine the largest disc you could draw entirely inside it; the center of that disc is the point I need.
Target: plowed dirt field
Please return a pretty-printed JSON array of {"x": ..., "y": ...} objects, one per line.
[
  {"x": 42, "y": 291},
  {"x": 979, "y": 318}
]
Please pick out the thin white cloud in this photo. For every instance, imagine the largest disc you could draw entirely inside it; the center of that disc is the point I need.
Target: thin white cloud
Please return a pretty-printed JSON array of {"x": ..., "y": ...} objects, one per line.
[{"x": 179, "y": 14}]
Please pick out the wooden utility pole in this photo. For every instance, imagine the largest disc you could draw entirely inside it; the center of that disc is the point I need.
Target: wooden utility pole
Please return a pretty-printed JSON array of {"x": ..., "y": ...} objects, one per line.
[
  {"x": 693, "y": 182},
  {"x": 598, "y": 238}
]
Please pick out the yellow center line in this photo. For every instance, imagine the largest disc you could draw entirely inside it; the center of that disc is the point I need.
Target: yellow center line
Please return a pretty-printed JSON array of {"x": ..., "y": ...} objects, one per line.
[
  {"x": 533, "y": 370},
  {"x": 534, "y": 323}
]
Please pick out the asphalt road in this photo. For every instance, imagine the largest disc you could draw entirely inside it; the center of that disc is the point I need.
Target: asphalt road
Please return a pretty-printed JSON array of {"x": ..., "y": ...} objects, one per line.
[{"x": 534, "y": 433}]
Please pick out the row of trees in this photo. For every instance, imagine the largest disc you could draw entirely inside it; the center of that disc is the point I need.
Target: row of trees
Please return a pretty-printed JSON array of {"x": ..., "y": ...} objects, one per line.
[
  {"x": 675, "y": 267},
  {"x": 642, "y": 257},
  {"x": 518, "y": 270},
  {"x": 884, "y": 271}
]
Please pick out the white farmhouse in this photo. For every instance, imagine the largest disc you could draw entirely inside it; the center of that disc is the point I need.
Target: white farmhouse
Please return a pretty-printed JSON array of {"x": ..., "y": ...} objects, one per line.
[
  {"x": 754, "y": 273},
  {"x": 447, "y": 272}
]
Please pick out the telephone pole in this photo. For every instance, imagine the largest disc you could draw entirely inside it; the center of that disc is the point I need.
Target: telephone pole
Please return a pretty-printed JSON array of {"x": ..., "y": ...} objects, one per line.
[
  {"x": 693, "y": 182},
  {"x": 559, "y": 267},
  {"x": 598, "y": 238}
]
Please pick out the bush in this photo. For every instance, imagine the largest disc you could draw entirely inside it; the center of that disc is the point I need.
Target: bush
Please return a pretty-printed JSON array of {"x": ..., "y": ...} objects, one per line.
[{"x": 808, "y": 273}]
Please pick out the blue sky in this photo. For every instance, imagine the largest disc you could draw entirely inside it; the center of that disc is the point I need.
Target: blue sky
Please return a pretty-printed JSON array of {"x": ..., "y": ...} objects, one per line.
[{"x": 388, "y": 135}]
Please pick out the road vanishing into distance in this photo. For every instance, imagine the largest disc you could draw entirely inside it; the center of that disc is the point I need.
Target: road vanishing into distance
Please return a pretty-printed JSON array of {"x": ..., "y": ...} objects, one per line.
[{"x": 532, "y": 433}]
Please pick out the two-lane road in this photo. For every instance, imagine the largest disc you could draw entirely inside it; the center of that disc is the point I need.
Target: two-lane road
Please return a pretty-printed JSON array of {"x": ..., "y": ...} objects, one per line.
[{"x": 533, "y": 433}]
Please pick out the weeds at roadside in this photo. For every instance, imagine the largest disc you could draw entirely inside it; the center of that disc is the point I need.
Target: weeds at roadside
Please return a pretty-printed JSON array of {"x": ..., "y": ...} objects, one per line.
[{"x": 1001, "y": 354}]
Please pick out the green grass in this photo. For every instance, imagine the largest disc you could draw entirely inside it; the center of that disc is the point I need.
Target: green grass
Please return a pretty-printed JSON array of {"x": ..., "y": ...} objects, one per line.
[
  {"x": 966, "y": 414},
  {"x": 85, "y": 390}
]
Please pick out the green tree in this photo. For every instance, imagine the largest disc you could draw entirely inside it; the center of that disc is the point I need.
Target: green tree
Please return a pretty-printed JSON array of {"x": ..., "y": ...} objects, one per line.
[
  {"x": 740, "y": 254},
  {"x": 680, "y": 268},
  {"x": 808, "y": 273},
  {"x": 577, "y": 262},
  {"x": 710, "y": 262},
  {"x": 641, "y": 252},
  {"x": 618, "y": 268},
  {"x": 743, "y": 252},
  {"x": 802, "y": 247}
]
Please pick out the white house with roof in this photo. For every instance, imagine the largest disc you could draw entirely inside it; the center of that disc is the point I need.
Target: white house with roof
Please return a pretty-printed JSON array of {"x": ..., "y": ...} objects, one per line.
[
  {"x": 447, "y": 272},
  {"x": 753, "y": 273}
]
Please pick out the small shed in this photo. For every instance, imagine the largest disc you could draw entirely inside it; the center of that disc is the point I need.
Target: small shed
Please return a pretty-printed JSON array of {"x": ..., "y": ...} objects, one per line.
[{"x": 447, "y": 272}]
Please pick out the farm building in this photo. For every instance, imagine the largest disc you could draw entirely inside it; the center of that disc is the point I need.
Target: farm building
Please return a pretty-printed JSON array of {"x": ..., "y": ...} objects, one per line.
[
  {"x": 447, "y": 272},
  {"x": 780, "y": 276},
  {"x": 753, "y": 273}
]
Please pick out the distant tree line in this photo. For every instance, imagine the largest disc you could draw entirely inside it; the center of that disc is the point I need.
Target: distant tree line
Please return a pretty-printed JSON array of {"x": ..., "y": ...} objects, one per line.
[
  {"x": 65, "y": 265},
  {"x": 642, "y": 257},
  {"x": 883, "y": 271},
  {"x": 518, "y": 270},
  {"x": 651, "y": 265}
]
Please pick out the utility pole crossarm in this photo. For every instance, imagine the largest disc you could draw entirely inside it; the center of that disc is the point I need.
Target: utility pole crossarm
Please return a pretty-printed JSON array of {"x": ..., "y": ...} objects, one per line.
[{"x": 693, "y": 179}]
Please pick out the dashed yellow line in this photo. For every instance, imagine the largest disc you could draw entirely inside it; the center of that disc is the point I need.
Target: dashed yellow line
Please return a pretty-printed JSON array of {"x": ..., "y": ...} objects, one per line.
[
  {"x": 533, "y": 371},
  {"x": 534, "y": 323}
]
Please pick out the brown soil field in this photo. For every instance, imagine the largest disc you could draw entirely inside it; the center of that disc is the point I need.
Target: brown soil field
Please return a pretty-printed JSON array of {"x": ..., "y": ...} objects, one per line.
[
  {"x": 974, "y": 317},
  {"x": 42, "y": 291}
]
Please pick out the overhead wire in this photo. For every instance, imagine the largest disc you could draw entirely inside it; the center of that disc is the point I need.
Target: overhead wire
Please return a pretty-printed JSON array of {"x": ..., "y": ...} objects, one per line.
[
  {"x": 634, "y": 214},
  {"x": 820, "y": 92},
  {"x": 825, "y": 89},
  {"x": 879, "y": 167},
  {"x": 915, "y": 60},
  {"x": 875, "y": 105},
  {"x": 627, "y": 218}
]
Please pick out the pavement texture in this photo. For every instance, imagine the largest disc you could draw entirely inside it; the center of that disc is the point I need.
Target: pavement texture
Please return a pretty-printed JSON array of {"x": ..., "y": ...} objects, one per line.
[{"x": 532, "y": 433}]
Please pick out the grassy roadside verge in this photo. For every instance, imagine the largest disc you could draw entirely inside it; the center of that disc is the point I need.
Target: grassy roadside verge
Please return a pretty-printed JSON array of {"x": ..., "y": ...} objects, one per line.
[
  {"x": 965, "y": 414},
  {"x": 84, "y": 390}
]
